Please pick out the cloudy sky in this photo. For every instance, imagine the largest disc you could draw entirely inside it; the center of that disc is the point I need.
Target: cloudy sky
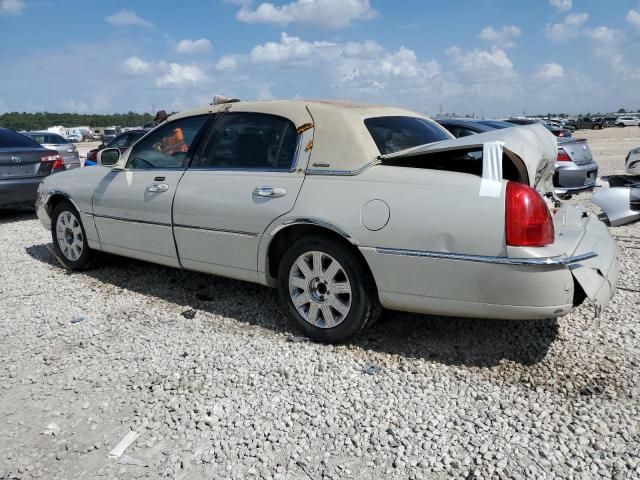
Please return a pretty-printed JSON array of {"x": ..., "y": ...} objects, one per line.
[{"x": 494, "y": 57}]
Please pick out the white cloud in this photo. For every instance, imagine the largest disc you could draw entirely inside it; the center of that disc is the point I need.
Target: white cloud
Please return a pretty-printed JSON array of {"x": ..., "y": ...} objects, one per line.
[
  {"x": 181, "y": 75},
  {"x": 549, "y": 71},
  {"x": 633, "y": 17},
  {"x": 127, "y": 18},
  {"x": 194, "y": 46},
  {"x": 226, "y": 64},
  {"x": 167, "y": 74},
  {"x": 503, "y": 37},
  {"x": 483, "y": 73},
  {"x": 137, "y": 66},
  {"x": 568, "y": 29},
  {"x": 11, "y": 7},
  {"x": 561, "y": 5},
  {"x": 288, "y": 50},
  {"x": 329, "y": 14}
]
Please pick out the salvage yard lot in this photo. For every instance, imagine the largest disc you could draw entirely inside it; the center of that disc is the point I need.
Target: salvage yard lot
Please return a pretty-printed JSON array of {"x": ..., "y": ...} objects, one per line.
[{"x": 218, "y": 386}]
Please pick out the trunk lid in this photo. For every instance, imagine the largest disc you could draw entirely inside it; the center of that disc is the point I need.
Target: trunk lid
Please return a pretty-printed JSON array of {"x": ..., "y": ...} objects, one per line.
[
  {"x": 536, "y": 147},
  {"x": 577, "y": 149},
  {"x": 22, "y": 163}
]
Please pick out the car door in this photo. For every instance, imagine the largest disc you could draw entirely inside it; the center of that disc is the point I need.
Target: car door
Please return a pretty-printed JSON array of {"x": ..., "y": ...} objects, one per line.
[
  {"x": 242, "y": 179},
  {"x": 132, "y": 205}
]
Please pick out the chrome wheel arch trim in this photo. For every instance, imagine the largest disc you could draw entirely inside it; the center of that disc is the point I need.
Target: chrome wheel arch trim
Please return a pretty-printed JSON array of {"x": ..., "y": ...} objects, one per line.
[
  {"x": 317, "y": 222},
  {"x": 51, "y": 193},
  {"x": 560, "y": 260}
]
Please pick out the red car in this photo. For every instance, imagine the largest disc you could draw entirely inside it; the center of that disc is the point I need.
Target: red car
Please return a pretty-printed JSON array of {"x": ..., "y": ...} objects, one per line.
[{"x": 122, "y": 142}]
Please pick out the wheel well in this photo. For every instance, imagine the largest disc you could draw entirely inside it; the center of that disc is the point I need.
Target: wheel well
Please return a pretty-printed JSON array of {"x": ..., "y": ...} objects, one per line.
[
  {"x": 55, "y": 200},
  {"x": 289, "y": 235}
]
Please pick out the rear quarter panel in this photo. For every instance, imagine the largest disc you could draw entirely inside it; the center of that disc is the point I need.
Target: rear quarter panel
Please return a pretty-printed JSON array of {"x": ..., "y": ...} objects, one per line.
[{"x": 428, "y": 209}]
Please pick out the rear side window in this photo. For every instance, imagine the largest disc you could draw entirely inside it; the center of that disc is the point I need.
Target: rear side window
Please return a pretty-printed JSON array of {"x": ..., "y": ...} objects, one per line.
[
  {"x": 48, "y": 138},
  {"x": 9, "y": 138},
  {"x": 251, "y": 141},
  {"x": 393, "y": 134}
]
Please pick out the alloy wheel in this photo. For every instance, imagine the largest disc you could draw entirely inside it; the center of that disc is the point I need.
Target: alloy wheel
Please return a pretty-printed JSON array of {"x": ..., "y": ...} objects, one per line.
[
  {"x": 69, "y": 235},
  {"x": 320, "y": 289}
]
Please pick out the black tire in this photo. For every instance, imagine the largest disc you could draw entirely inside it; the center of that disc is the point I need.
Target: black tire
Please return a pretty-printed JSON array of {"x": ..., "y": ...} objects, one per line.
[
  {"x": 365, "y": 306},
  {"x": 81, "y": 261},
  {"x": 621, "y": 125}
]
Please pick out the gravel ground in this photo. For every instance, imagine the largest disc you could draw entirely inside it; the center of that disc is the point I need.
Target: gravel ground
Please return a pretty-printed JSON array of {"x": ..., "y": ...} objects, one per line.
[{"x": 217, "y": 385}]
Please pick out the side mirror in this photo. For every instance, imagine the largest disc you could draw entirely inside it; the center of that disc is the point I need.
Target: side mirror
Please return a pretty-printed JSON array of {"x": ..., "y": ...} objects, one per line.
[{"x": 108, "y": 157}]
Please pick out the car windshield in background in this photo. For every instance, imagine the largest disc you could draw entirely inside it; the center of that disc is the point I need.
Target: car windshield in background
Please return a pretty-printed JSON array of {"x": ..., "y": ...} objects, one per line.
[
  {"x": 9, "y": 138},
  {"x": 393, "y": 134},
  {"x": 495, "y": 124},
  {"x": 110, "y": 131},
  {"x": 47, "y": 138}
]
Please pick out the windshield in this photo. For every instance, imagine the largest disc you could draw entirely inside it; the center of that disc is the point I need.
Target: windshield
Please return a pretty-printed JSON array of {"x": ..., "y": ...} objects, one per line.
[
  {"x": 393, "y": 134},
  {"x": 109, "y": 131}
]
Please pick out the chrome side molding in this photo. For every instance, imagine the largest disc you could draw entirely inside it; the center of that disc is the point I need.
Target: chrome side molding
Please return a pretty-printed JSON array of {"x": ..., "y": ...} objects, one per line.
[{"x": 560, "y": 260}]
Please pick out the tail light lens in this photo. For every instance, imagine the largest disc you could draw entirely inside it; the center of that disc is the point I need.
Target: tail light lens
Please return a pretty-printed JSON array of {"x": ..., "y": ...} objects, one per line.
[
  {"x": 56, "y": 160},
  {"x": 563, "y": 156},
  {"x": 528, "y": 221}
]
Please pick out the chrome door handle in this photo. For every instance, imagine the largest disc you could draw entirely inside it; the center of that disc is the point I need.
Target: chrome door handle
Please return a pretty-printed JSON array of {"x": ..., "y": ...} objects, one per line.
[
  {"x": 157, "y": 187},
  {"x": 269, "y": 192}
]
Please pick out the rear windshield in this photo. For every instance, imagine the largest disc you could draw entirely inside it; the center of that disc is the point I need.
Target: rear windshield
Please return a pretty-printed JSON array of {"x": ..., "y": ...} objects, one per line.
[
  {"x": 393, "y": 134},
  {"x": 9, "y": 138},
  {"x": 47, "y": 138},
  {"x": 109, "y": 131}
]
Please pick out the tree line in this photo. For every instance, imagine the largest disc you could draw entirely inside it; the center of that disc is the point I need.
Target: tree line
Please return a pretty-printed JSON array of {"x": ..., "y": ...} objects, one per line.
[{"x": 42, "y": 120}]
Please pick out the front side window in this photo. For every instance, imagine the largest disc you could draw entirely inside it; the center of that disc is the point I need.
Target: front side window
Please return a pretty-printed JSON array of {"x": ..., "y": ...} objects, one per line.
[
  {"x": 393, "y": 134},
  {"x": 167, "y": 146},
  {"x": 251, "y": 141}
]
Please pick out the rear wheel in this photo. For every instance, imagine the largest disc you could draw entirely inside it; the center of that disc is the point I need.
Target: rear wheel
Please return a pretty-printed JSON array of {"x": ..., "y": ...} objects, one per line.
[
  {"x": 326, "y": 290},
  {"x": 621, "y": 125},
  {"x": 69, "y": 237}
]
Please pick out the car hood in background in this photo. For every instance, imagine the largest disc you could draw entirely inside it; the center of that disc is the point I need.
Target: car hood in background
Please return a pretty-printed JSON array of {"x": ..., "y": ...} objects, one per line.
[{"x": 533, "y": 144}]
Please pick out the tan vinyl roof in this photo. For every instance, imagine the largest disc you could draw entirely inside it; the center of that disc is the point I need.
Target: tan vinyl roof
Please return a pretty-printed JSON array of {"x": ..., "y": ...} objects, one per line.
[{"x": 341, "y": 141}]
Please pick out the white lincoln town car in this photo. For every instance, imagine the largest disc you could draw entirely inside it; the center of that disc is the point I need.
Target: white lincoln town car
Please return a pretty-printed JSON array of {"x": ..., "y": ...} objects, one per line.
[{"x": 345, "y": 208}]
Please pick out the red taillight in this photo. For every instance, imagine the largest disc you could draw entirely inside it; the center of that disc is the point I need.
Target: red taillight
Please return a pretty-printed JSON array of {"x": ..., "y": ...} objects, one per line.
[
  {"x": 563, "y": 156},
  {"x": 528, "y": 221},
  {"x": 55, "y": 158}
]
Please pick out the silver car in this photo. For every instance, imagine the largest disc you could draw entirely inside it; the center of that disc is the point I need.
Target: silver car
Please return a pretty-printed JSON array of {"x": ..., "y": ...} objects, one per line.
[
  {"x": 575, "y": 167},
  {"x": 53, "y": 141},
  {"x": 344, "y": 208}
]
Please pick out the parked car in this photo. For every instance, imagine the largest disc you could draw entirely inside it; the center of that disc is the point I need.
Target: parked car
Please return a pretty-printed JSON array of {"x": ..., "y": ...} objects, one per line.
[
  {"x": 110, "y": 133},
  {"x": 557, "y": 131},
  {"x": 587, "y": 123},
  {"x": 122, "y": 142},
  {"x": 560, "y": 125},
  {"x": 627, "y": 121},
  {"x": 575, "y": 168},
  {"x": 53, "y": 141},
  {"x": 345, "y": 209},
  {"x": 463, "y": 127},
  {"x": 609, "y": 121},
  {"x": 632, "y": 162},
  {"x": 23, "y": 165}
]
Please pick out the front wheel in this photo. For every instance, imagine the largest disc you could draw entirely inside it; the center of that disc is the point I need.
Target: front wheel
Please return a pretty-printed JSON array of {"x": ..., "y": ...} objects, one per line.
[
  {"x": 326, "y": 290},
  {"x": 621, "y": 125},
  {"x": 69, "y": 237}
]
